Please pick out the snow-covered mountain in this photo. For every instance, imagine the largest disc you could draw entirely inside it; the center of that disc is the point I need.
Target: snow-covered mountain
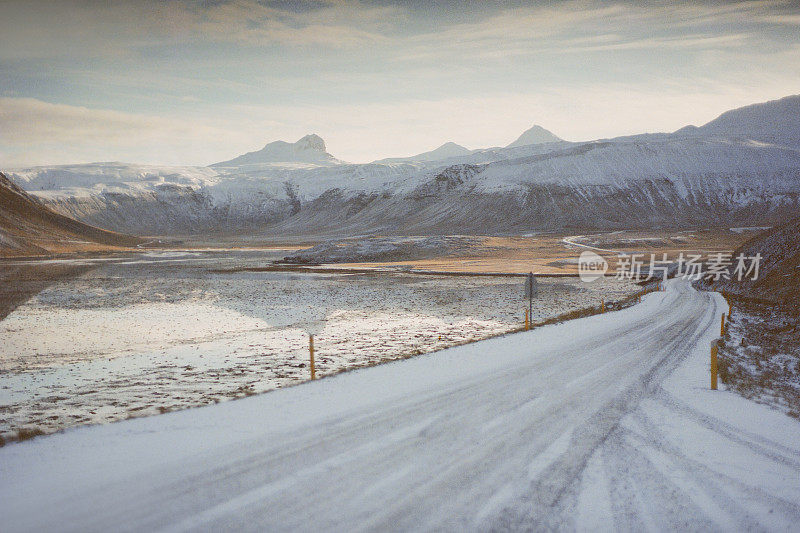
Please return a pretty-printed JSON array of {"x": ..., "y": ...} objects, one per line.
[
  {"x": 309, "y": 149},
  {"x": 535, "y": 135},
  {"x": 724, "y": 173}
]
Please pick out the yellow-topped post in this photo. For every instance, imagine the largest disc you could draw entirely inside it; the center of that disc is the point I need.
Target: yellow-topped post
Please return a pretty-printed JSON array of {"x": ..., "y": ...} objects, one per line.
[
  {"x": 714, "y": 365},
  {"x": 311, "y": 356}
]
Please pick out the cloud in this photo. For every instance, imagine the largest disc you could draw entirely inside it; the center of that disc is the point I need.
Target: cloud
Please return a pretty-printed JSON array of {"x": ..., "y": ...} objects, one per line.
[
  {"x": 193, "y": 82},
  {"x": 37, "y": 132},
  {"x": 41, "y": 29},
  {"x": 250, "y": 22},
  {"x": 30, "y": 120},
  {"x": 591, "y": 26}
]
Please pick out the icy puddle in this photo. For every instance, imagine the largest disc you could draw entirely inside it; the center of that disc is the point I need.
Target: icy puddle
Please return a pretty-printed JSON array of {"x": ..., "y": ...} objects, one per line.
[{"x": 95, "y": 341}]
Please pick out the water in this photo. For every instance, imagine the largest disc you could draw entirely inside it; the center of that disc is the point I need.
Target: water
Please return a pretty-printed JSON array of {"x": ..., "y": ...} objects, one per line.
[{"x": 92, "y": 341}]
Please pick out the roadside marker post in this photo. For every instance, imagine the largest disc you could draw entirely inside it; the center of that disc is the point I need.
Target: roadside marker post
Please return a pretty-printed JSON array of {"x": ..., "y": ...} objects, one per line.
[
  {"x": 311, "y": 356},
  {"x": 714, "y": 365},
  {"x": 722, "y": 325},
  {"x": 602, "y": 305},
  {"x": 530, "y": 291}
]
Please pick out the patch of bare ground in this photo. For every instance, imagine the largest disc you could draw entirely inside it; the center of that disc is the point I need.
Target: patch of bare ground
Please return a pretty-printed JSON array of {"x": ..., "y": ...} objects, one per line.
[{"x": 759, "y": 354}]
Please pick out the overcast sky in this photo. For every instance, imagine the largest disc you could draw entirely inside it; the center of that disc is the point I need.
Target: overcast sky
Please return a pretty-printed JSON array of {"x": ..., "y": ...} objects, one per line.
[{"x": 187, "y": 82}]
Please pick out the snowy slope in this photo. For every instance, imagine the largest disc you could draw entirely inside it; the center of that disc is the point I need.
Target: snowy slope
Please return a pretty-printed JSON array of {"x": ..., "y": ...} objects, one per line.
[
  {"x": 604, "y": 422},
  {"x": 623, "y": 162},
  {"x": 616, "y": 184},
  {"x": 164, "y": 200},
  {"x": 775, "y": 122},
  {"x": 93, "y": 178}
]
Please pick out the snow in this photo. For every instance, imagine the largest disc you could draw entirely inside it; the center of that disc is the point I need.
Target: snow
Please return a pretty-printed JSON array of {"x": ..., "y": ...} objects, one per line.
[
  {"x": 573, "y": 240},
  {"x": 602, "y": 422},
  {"x": 94, "y": 178},
  {"x": 689, "y": 161},
  {"x": 756, "y": 229}
]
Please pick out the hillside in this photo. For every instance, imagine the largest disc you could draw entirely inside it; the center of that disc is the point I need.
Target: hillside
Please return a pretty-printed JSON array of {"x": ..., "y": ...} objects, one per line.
[
  {"x": 779, "y": 268},
  {"x": 27, "y": 227}
]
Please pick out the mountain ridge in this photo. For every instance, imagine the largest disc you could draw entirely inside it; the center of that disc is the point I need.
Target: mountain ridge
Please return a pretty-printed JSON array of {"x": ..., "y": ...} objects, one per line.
[{"x": 717, "y": 175}]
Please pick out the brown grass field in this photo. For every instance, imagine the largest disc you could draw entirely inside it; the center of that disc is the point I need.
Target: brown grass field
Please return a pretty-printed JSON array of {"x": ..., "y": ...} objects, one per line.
[{"x": 550, "y": 254}]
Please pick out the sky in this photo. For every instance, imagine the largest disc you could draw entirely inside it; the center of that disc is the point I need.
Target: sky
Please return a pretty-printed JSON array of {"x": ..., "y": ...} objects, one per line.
[{"x": 193, "y": 82}]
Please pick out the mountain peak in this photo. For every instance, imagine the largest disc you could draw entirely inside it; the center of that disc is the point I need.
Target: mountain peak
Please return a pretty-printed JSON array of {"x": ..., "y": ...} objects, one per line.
[
  {"x": 312, "y": 141},
  {"x": 307, "y": 149},
  {"x": 535, "y": 135},
  {"x": 448, "y": 149},
  {"x": 445, "y": 151}
]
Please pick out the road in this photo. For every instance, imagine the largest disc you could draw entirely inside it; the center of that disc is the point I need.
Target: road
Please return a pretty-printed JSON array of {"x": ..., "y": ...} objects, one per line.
[
  {"x": 571, "y": 241},
  {"x": 598, "y": 423}
]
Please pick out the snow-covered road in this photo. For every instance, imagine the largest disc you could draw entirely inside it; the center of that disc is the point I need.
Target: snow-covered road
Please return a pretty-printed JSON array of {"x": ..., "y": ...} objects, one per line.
[{"x": 604, "y": 422}]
